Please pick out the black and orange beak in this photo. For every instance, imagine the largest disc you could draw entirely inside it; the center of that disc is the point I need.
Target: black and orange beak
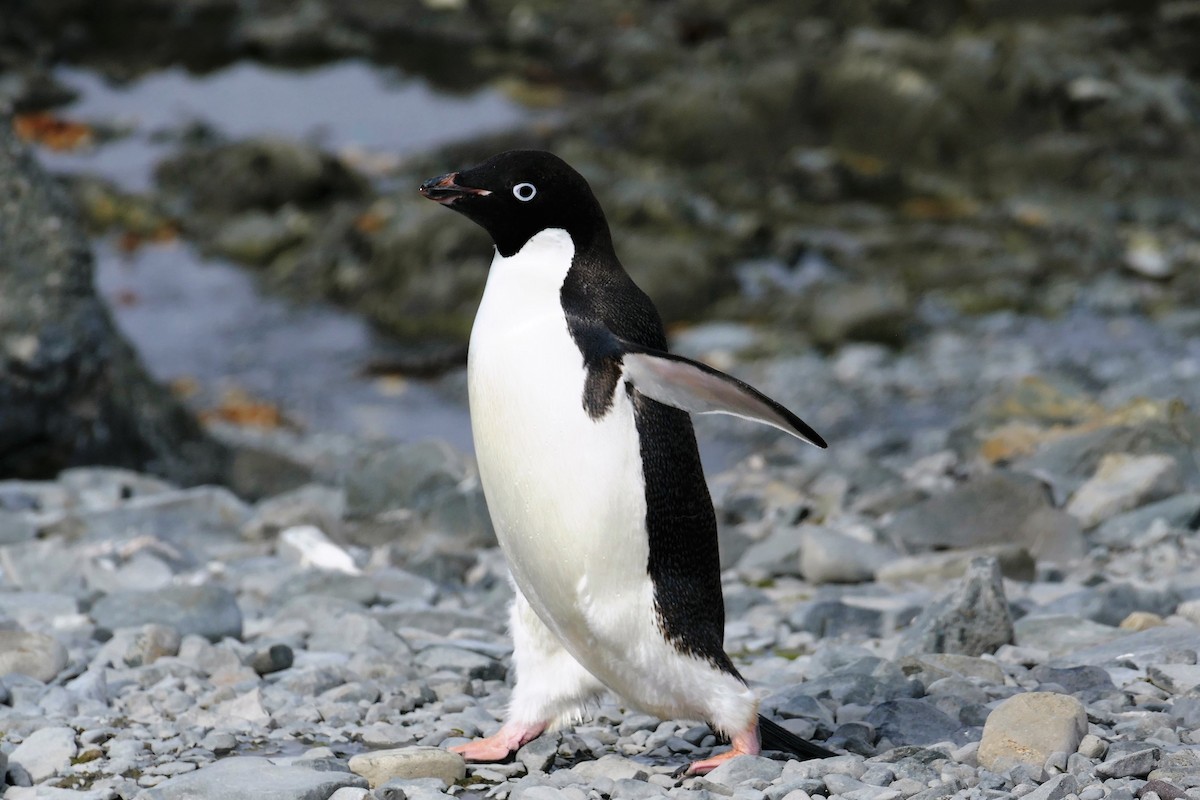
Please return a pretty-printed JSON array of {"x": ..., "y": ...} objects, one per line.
[{"x": 444, "y": 189}]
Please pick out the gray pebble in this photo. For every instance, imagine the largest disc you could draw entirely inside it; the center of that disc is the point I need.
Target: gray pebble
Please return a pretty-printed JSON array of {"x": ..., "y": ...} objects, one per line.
[
  {"x": 208, "y": 611},
  {"x": 1092, "y": 746},
  {"x": 743, "y": 769},
  {"x": 1056, "y": 788},
  {"x": 45, "y": 753},
  {"x": 972, "y": 620},
  {"x": 1137, "y": 764},
  {"x": 37, "y": 655}
]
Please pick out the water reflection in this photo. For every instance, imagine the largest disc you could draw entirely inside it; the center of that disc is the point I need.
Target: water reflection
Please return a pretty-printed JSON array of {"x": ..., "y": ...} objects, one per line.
[{"x": 350, "y": 104}]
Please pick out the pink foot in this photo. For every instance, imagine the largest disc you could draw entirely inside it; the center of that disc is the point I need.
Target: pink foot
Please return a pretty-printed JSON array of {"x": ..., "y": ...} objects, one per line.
[
  {"x": 744, "y": 743},
  {"x": 499, "y": 745}
]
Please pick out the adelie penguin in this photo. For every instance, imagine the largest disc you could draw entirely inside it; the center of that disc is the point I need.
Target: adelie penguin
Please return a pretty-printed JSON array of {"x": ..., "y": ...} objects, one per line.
[{"x": 591, "y": 472}]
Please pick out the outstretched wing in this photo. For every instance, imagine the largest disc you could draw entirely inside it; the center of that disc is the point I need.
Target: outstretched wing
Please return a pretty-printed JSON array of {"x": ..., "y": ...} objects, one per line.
[{"x": 699, "y": 389}]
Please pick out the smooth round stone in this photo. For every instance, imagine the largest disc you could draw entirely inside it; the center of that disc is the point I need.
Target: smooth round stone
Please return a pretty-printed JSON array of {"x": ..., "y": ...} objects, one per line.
[
  {"x": 1027, "y": 728},
  {"x": 37, "y": 655},
  {"x": 381, "y": 766},
  {"x": 45, "y": 752}
]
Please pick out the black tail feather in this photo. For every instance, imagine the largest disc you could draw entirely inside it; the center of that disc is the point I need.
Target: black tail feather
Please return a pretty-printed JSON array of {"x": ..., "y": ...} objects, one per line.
[{"x": 777, "y": 737}]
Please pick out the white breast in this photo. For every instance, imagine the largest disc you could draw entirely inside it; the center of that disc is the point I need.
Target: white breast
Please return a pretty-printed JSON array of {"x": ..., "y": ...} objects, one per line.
[{"x": 564, "y": 491}]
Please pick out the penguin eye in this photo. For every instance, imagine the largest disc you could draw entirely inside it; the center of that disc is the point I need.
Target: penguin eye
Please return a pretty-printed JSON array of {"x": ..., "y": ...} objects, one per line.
[{"x": 524, "y": 192}]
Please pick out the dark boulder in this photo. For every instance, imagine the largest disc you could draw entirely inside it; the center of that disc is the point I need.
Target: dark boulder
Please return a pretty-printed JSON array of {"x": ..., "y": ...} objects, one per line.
[{"x": 72, "y": 391}]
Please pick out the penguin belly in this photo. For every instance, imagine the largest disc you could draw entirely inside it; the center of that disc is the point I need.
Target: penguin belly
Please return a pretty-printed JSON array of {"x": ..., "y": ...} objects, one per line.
[{"x": 566, "y": 494}]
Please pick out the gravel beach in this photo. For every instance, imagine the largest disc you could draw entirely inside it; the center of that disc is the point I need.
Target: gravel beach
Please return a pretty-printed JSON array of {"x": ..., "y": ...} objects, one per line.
[{"x": 1008, "y": 607}]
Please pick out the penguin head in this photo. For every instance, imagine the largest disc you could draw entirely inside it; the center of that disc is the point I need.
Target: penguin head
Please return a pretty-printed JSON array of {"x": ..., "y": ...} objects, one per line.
[{"x": 519, "y": 193}]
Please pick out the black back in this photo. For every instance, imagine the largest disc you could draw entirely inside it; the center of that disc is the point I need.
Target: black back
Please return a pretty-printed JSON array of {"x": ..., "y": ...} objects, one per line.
[{"x": 603, "y": 305}]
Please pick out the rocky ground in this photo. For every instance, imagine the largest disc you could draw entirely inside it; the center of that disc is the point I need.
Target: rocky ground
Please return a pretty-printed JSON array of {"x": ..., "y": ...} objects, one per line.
[
  {"x": 957, "y": 238},
  {"x": 1009, "y": 607}
]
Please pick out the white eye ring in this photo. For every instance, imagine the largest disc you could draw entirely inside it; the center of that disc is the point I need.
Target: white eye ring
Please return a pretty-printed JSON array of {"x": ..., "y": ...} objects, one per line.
[{"x": 524, "y": 192}]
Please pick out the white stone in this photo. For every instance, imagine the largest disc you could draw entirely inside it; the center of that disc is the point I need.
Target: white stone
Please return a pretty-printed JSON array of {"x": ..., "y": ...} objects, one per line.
[
  {"x": 310, "y": 547},
  {"x": 45, "y": 752},
  {"x": 1028, "y": 728},
  {"x": 1123, "y": 482},
  {"x": 381, "y": 766}
]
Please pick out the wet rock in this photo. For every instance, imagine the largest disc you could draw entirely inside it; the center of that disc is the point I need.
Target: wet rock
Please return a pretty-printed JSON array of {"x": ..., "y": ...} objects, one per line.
[
  {"x": 381, "y": 766},
  {"x": 257, "y": 237},
  {"x": 911, "y": 722},
  {"x": 871, "y": 89},
  {"x": 1027, "y": 728},
  {"x": 208, "y": 611},
  {"x": 244, "y": 776},
  {"x": 308, "y": 34},
  {"x": 71, "y": 390},
  {"x": 972, "y": 620},
  {"x": 1131, "y": 765},
  {"x": 827, "y": 556},
  {"x": 37, "y": 655},
  {"x": 1123, "y": 482},
  {"x": 386, "y": 275},
  {"x": 45, "y": 752},
  {"x": 991, "y": 509},
  {"x": 265, "y": 173}
]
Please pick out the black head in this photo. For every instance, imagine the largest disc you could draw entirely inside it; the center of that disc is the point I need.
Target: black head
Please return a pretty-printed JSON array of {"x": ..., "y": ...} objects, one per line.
[{"x": 517, "y": 194}]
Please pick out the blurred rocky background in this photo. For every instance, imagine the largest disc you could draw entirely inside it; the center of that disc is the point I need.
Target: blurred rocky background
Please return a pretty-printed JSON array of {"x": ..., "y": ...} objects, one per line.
[
  {"x": 961, "y": 238},
  {"x": 810, "y": 175}
]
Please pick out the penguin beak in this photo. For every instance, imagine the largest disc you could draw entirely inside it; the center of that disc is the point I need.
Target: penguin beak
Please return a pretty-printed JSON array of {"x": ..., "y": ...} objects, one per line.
[{"x": 444, "y": 189}]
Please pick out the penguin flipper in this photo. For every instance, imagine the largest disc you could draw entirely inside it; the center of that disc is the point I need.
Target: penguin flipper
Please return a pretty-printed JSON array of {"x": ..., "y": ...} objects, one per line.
[
  {"x": 777, "y": 737},
  {"x": 699, "y": 389}
]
